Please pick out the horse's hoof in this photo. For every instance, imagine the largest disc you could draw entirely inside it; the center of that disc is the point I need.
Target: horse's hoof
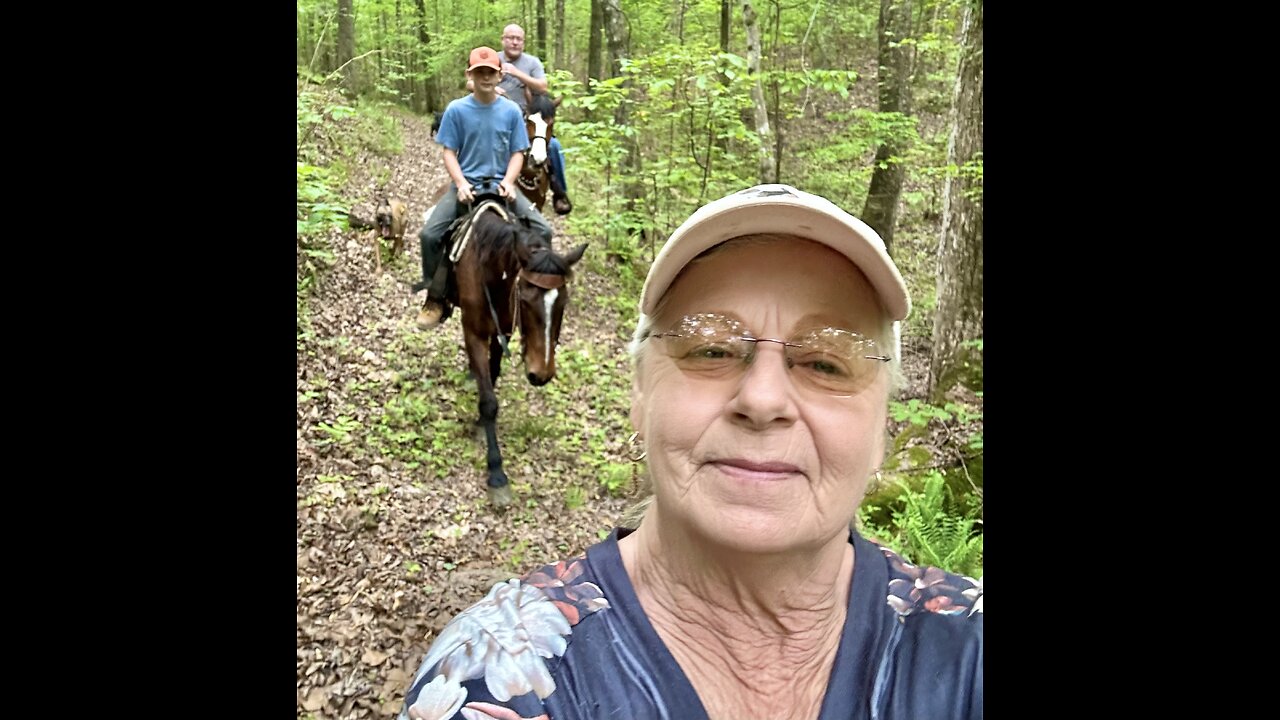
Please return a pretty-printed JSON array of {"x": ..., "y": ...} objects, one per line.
[{"x": 500, "y": 497}]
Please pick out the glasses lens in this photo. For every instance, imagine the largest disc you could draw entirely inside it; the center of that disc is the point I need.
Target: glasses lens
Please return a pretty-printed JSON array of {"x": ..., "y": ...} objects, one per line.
[
  {"x": 705, "y": 343},
  {"x": 834, "y": 361}
]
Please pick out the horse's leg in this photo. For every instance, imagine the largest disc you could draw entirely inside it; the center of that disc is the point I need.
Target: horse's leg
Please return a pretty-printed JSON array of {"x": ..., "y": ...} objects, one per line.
[
  {"x": 495, "y": 360},
  {"x": 497, "y": 485}
]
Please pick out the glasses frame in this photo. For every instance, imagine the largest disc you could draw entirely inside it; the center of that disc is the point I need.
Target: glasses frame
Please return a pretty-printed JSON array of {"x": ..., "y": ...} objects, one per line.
[{"x": 749, "y": 357}]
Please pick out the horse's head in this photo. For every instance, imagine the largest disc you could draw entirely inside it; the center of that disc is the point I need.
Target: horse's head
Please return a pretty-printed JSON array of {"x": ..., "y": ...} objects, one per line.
[
  {"x": 538, "y": 124},
  {"x": 543, "y": 293}
]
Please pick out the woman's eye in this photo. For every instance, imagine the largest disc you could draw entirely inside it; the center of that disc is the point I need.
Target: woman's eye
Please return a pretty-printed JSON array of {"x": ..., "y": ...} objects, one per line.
[
  {"x": 824, "y": 365},
  {"x": 713, "y": 352}
]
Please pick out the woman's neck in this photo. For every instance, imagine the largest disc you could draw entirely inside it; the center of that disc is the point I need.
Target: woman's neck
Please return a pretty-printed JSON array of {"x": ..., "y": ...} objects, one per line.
[{"x": 756, "y": 635}]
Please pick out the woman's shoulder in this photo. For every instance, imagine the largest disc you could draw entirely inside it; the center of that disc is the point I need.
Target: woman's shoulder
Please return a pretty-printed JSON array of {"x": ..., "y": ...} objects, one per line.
[
  {"x": 546, "y": 603},
  {"x": 504, "y": 640},
  {"x": 918, "y": 589}
]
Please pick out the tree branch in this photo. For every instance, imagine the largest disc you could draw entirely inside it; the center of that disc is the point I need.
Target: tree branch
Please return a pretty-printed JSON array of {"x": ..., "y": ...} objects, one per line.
[{"x": 314, "y": 55}]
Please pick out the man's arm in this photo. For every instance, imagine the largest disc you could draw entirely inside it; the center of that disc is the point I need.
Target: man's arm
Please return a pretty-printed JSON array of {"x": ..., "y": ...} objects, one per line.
[
  {"x": 537, "y": 85},
  {"x": 465, "y": 196}
]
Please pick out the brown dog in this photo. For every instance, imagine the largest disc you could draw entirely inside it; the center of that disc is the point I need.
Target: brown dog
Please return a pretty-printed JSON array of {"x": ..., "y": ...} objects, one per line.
[{"x": 390, "y": 217}]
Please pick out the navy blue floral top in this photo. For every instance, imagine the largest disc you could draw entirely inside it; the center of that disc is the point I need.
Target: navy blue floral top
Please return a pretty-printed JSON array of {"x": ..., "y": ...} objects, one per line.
[{"x": 571, "y": 642}]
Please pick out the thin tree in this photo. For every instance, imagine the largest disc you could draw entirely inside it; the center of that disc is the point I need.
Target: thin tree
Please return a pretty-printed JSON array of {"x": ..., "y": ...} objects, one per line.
[
  {"x": 959, "y": 314},
  {"x": 766, "y": 165},
  {"x": 894, "y": 89},
  {"x": 347, "y": 46}
]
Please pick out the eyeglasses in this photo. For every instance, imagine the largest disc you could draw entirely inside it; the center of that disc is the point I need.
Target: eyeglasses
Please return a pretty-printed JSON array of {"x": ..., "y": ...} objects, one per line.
[{"x": 829, "y": 360}]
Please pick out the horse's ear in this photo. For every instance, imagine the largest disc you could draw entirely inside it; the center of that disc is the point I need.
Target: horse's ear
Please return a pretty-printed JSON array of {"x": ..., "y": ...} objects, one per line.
[{"x": 576, "y": 254}]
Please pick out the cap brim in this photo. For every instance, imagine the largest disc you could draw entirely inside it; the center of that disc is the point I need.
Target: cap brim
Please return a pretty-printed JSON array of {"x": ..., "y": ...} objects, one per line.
[{"x": 788, "y": 214}]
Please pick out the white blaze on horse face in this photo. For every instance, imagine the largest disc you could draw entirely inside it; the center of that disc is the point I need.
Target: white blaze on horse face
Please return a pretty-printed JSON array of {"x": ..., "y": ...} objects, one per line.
[
  {"x": 549, "y": 301},
  {"x": 539, "y": 138}
]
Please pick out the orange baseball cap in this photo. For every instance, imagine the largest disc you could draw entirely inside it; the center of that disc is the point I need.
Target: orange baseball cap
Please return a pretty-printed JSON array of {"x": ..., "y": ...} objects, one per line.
[{"x": 484, "y": 57}]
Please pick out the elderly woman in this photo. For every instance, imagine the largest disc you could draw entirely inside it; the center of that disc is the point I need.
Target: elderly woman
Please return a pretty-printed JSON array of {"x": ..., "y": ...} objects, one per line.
[{"x": 763, "y": 363}]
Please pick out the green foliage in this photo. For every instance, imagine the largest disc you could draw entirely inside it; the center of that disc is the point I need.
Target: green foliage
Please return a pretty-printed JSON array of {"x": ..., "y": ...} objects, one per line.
[
  {"x": 918, "y": 412},
  {"x": 574, "y": 498},
  {"x": 928, "y": 529},
  {"x": 930, "y": 507},
  {"x": 339, "y": 432},
  {"x": 684, "y": 143},
  {"x": 616, "y": 477},
  {"x": 318, "y": 209}
]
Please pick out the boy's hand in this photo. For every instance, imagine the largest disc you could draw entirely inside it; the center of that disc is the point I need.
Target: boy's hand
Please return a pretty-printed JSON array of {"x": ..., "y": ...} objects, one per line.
[
  {"x": 465, "y": 194},
  {"x": 507, "y": 189}
]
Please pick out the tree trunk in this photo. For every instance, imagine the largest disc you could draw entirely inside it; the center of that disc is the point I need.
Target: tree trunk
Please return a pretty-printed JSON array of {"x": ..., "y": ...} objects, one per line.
[
  {"x": 724, "y": 25},
  {"x": 893, "y": 83},
  {"x": 304, "y": 37},
  {"x": 397, "y": 42},
  {"x": 959, "y": 313},
  {"x": 757, "y": 93},
  {"x": 559, "y": 34},
  {"x": 429, "y": 85},
  {"x": 616, "y": 33},
  {"x": 347, "y": 46},
  {"x": 779, "y": 61},
  {"x": 593, "y": 42},
  {"x": 377, "y": 42},
  {"x": 542, "y": 28}
]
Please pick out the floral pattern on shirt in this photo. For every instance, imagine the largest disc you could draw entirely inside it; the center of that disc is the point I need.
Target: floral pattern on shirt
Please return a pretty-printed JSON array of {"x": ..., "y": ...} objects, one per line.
[
  {"x": 919, "y": 588},
  {"x": 504, "y": 639}
]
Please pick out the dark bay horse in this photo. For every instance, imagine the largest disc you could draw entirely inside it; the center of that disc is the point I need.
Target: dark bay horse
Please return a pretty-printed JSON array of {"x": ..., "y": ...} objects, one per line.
[
  {"x": 506, "y": 276},
  {"x": 535, "y": 176}
]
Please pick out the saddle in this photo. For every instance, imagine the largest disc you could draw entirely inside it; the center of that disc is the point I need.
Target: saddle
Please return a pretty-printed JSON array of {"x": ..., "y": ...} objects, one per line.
[{"x": 461, "y": 228}]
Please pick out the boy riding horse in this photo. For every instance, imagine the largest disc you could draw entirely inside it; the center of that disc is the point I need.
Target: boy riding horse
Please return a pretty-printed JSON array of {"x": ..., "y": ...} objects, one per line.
[{"x": 484, "y": 139}]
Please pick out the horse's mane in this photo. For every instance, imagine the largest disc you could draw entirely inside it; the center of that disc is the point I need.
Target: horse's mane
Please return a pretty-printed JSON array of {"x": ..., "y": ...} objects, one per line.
[
  {"x": 494, "y": 238},
  {"x": 542, "y": 104}
]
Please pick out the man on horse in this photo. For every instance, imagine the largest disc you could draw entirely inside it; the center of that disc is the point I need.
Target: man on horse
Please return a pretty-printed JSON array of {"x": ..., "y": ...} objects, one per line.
[
  {"x": 521, "y": 71},
  {"x": 484, "y": 140}
]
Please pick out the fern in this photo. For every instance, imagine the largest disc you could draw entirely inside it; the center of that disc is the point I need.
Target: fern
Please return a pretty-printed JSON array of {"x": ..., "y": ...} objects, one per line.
[{"x": 927, "y": 533}]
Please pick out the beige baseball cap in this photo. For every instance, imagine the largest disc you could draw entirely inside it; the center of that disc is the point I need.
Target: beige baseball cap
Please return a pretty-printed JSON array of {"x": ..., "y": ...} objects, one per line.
[{"x": 778, "y": 209}]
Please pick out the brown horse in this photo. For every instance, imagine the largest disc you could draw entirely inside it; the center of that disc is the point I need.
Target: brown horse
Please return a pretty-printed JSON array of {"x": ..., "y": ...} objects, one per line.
[
  {"x": 535, "y": 177},
  {"x": 506, "y": 276}
]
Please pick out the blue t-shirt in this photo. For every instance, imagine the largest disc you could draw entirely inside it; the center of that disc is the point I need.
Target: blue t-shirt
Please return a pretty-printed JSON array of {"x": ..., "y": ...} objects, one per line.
[
  {"x": 484, "y": 136},
  {"x": 571, "y": 640}
]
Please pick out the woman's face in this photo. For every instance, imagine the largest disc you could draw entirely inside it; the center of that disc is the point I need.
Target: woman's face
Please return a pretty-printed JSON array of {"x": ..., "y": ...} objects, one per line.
[{"x": 758, "y": 460}]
